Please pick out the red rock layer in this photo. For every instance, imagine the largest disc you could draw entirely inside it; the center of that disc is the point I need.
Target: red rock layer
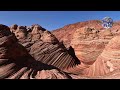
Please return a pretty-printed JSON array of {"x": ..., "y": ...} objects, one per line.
[
  {"x": 88, "y": 39},
  {"x": 48, "y": 57},
  {"x": 108, "y": 61},
  {"x": 106, "y": 64}
]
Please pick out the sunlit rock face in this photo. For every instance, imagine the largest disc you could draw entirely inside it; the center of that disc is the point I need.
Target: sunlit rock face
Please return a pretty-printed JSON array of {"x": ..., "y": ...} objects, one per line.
[
  {"x": 32, "y": 52},
  {"x": 44, "y": 46},
  {"x": 13, "y": 28},
  {"x": 107, "y": 65},
  {"x": 108, "y": 61},
  {"x": 21, "y": 32},
  {"x": 45, "y": 62},
  {"x": 88, "y": 39}
]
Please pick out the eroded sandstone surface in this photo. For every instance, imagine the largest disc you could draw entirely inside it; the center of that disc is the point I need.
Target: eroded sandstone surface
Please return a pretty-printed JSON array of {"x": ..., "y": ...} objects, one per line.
[{"x": 82, "y": 50}]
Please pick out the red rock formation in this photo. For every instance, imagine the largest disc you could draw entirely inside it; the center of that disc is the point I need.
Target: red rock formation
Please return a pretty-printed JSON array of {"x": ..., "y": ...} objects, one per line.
[
  {"x": 21, "y": 32},
  {"x": 52, "y": 55},
  {"x": 12, "y": 55},
  {"x": 87, "y": 38},
  {"x": 36, "y": 32},
  {"x": 107, "y": 64},
  {"x": 88, "y": 43},
  {"x": 17, "y": 63},
  {"x": 66, "y": 33},
  {"x": 108, "y": 61},
  {"x": 49, "y": 47},
  {"x": 42, "y": 56},
  {"x": 13, "y": 28}
]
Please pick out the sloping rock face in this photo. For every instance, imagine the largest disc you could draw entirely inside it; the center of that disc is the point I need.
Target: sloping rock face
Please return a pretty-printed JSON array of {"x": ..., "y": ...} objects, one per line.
[
  {"x": 108, "y": 61},
  {"x": 52, "y": 55},
  {"x": 83, "y": 38},
  {"x": 92, "y": 47},
  {"x": 86, "y": 45},
  {"x": 17, "y": 63},
  {"x": 65, "y": 34},
  {"x": 12, "y": 55},
  {"x": 107, "y": 65},
  {"x": 8, "y": 42},
  {"x": 45, "y": 47},
  {"x": 88, "y": 39},
  {"x": 35, "y": 53}
]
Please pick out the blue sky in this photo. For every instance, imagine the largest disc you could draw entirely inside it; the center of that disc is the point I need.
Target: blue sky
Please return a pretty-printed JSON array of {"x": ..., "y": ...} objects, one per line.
[{"x": 53, "y": 19}]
